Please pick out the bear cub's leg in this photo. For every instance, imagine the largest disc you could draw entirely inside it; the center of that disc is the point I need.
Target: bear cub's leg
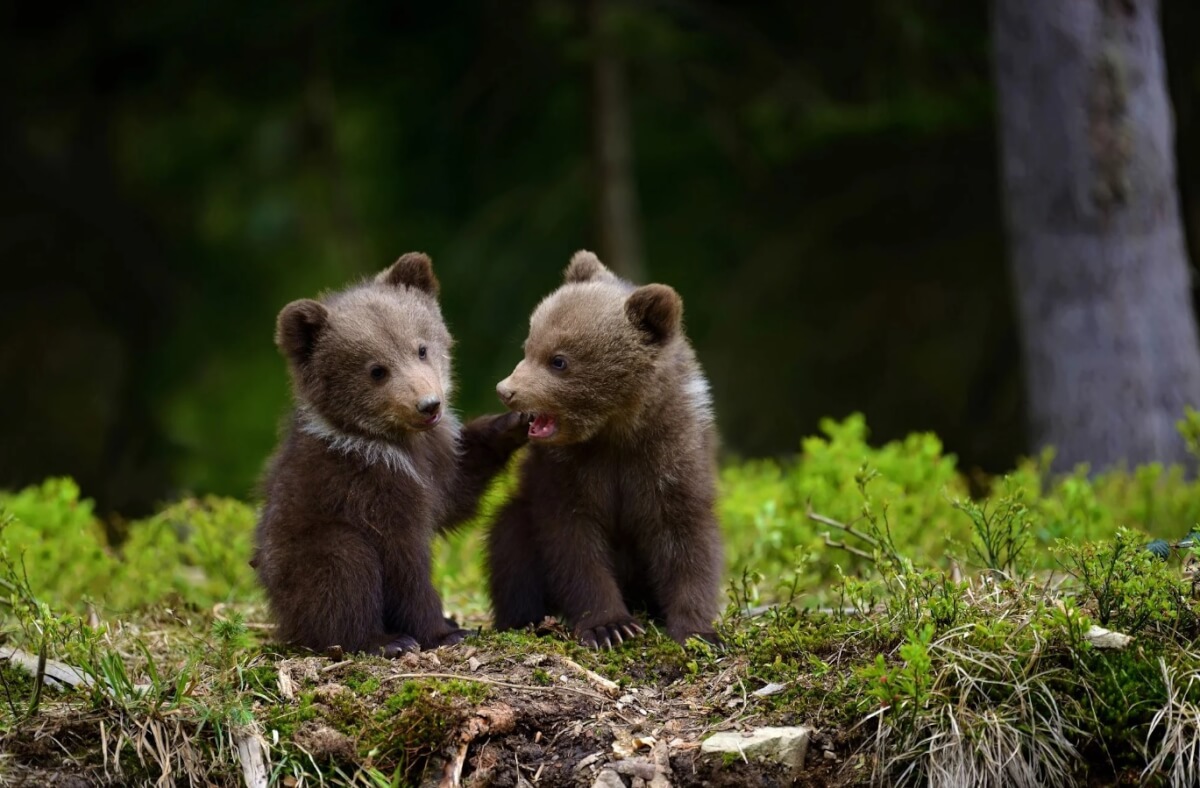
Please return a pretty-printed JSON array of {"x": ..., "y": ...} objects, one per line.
[
  {"x": 516, "y": 575},
  {"x": 338, "y": 601}
]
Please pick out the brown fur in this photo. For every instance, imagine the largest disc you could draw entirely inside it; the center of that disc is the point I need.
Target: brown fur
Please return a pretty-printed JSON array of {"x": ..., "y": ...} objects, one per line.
[
  {"x": 362, "y": 482},
  {"x": 615, "y": 510}
]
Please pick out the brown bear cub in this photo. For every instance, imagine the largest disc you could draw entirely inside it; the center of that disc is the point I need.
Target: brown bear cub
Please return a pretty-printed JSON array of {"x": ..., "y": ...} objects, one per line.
[
  {"x": 372, "y": 466},
  {"x": 615, "y": 507}
]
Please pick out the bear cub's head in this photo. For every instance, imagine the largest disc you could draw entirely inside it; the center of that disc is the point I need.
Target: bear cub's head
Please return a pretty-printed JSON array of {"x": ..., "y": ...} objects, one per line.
[
  {"x": 595, "y": 345},
  {"x": 372, "y": 361}
]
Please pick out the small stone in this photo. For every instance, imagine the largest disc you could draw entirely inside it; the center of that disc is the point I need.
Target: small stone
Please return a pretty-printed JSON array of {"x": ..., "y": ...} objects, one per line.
[
  {"x": 770, "y": 689},
  {"x": 787, "y": 746},
  {"x": 588, "y": 761},
  {"x": 474, "y": 664},
  {"x": 636, "y": 767},
  {"x": 607, "y": 778},
  {"x": 830, "y": 756},
  {"x": 1106, "y": 638}
]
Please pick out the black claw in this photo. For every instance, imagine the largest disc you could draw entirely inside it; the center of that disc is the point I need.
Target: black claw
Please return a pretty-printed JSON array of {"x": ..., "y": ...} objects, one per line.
[{"x": 615, "y": 634}]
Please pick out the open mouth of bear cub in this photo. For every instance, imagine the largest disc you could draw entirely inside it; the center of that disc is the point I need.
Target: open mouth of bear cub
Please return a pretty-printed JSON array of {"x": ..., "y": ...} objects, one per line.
[{"x": 543, "y": 426}]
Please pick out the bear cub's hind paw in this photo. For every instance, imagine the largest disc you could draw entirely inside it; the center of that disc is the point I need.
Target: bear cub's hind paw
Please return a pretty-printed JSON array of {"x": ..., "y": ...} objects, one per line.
[{"x": 454, "y": 637}]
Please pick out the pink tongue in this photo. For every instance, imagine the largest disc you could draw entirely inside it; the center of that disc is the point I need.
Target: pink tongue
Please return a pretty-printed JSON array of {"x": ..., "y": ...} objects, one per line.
[{"x": 542, "y": 426}]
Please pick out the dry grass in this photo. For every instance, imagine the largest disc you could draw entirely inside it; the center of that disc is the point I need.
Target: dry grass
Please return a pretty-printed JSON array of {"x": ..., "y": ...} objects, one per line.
[
  {"x": 1174, "y": 734},
  {"x": 968, "y": 737}
]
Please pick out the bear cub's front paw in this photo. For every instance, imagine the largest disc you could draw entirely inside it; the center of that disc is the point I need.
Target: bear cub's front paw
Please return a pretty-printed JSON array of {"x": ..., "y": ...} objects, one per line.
[
  {"x": 512, "y": 428},
  {"x": 612, "y": 634},
  {"x": 399, "y": 645}
]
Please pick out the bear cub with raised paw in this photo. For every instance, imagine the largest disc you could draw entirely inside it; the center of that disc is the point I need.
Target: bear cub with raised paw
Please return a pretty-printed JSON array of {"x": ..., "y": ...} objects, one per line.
[
  {"x": 372, "y": 466},
  {"x": 615, "y": 506}
]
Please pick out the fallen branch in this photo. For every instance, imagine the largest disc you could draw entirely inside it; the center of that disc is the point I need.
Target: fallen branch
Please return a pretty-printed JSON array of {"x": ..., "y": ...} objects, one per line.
[
  {"x": 611, "y": 687},
  {"x": 452, "y": 776},
  {"x": 53, "y": 674}
]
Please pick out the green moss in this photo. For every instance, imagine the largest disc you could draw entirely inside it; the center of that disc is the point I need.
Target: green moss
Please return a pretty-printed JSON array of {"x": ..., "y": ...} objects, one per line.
[
  {"x": 362, "y": 682},
  {"x": 414, "y": 722},
  {"x": 287, "y": 718}
]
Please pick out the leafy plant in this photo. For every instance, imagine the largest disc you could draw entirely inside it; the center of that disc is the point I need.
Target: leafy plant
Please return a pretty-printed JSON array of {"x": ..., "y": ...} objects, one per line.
[{"x": 1129, "y": 587}]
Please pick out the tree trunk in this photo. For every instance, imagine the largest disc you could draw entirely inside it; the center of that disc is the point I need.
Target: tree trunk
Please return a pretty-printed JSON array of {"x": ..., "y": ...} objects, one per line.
[
  {"x": 612, "y": 154},
  {"x": 1097, "y": 248}
]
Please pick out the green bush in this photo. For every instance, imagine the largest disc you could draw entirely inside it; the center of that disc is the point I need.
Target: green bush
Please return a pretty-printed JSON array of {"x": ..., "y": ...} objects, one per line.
[
  {"x": 802, "y": 524},
  {"x": 194, "y": 551},
  {"x": 198, "y": 550},
  {"x": 56, "y": 541}
]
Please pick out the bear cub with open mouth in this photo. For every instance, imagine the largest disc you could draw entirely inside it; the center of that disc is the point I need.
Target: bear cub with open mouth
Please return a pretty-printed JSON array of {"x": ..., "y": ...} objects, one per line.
[
  {"x": 372, "y": 466},
  {"x": 615, "y": 506}
]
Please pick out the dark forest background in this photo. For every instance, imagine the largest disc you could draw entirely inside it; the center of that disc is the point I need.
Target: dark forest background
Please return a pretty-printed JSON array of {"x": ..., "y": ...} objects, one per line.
[{"x": 818, "y": 180}]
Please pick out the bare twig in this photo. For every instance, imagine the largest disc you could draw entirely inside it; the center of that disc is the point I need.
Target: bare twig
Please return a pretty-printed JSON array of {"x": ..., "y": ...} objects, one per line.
[
  {"x": 832, "y": 523},
  {"x": 611, "y": 687},
  {"x": 38, "y": 678},
  {"x": 843, "y": 546}
]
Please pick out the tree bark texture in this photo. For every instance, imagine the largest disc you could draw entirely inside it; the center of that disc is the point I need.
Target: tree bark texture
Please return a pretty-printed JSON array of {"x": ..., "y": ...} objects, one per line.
[
  {"x": 1096, "y": 243},
  {"x": 612, "y": 154}
]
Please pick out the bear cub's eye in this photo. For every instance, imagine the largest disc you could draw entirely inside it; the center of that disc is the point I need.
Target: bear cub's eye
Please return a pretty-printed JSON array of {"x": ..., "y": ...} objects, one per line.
[
  {"x": 559, "y": 363},
  {"x": 378, "y": 372},
  {"x": 421, "y": 352}
]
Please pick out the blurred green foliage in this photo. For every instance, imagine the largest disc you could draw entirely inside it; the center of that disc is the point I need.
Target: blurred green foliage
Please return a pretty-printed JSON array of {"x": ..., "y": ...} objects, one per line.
[{"x": 902, "y": 501}]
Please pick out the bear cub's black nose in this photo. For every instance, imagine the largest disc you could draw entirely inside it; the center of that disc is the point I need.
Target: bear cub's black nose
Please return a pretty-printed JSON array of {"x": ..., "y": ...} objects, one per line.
[{"x": 429, "y": 405}]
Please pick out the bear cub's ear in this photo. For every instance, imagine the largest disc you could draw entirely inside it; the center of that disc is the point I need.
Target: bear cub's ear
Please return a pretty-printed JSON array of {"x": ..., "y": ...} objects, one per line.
[
  {"x": 584, "y": 267},
  {"x": 656, "y": 310},
  {"x": 413, "y": 269},
  {"x": 297, "y": 328}
]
